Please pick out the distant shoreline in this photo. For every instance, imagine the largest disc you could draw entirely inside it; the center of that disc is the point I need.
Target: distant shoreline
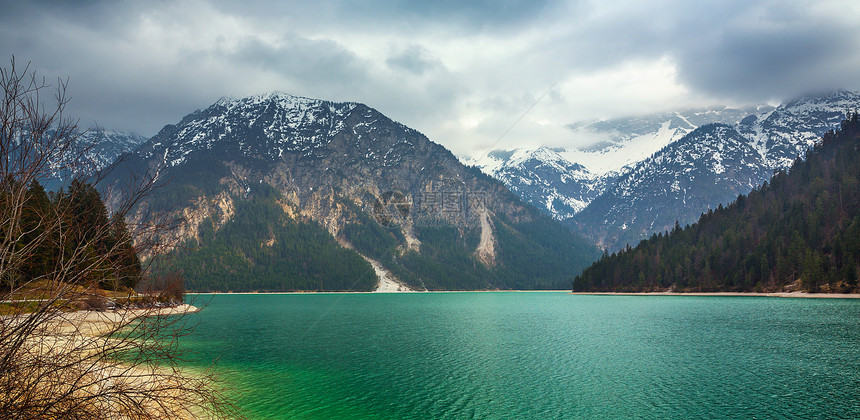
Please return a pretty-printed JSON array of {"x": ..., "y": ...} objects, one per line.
[
  {"x": 377, "y": 293},
  {"x": 801, "y": 295},
  {"x": 748, "y": 294}
]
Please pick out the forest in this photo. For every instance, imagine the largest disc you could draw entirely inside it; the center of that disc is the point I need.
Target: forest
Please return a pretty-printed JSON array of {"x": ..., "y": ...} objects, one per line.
[
  {"x": 530, "y": 255},
  {"x": 262, "y": 249},
  {"x": 798, "y": 232}
]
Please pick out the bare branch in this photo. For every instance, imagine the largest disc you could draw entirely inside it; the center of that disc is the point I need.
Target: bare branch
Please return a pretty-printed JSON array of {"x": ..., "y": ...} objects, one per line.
[{"x": 120, "y": 357}]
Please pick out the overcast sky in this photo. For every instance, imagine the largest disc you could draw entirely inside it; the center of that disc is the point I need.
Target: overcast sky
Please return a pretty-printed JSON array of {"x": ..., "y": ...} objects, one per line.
[{"x": 463, "y": 73}]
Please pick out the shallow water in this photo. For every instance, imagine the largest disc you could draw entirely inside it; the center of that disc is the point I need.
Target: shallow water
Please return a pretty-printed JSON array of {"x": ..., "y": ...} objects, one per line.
[{"x": 533, "y": 355}]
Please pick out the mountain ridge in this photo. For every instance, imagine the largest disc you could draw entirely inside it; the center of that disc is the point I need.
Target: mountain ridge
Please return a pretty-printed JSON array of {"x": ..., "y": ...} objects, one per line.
[
  {"x": 343, "y": 167},
  {"x": 779, "y": 135}
]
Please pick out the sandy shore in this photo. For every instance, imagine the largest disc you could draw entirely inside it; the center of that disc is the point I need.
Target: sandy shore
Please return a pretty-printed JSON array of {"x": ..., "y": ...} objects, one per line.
[
  {"x": 776, "y": 294},
  {"x": 97, "y": 323},
  {"x": 79, "y": 341}
]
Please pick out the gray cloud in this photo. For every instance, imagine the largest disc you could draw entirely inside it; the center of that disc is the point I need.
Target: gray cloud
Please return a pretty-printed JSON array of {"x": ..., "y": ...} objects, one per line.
[
  {"x": 462, "y": 72},
  {"x": 455, "y": 16},
  {"x": 303, "y": 61},
  {"x": 414, "y": 59},
  {"x": 778, "y": 60}
]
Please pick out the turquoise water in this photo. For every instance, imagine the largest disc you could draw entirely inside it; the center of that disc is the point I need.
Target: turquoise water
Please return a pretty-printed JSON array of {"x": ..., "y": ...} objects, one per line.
[{"x": 533, "y": 355}]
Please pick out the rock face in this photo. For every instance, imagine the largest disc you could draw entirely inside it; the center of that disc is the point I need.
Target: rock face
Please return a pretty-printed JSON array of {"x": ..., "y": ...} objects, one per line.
[{"x": 383, "y": 188}]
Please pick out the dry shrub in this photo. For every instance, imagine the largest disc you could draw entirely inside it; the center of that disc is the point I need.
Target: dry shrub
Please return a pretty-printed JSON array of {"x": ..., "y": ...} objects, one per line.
[{"x": 56, "y": 362}]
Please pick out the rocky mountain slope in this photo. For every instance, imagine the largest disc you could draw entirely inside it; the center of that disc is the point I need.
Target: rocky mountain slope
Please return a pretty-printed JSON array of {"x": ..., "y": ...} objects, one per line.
[
  {"x": 562, "y": 182},
  {"x": 380, "y": 190},
  {"x": 642, "y": 174},
  {"x": 709, "y": 166},
  {"x": 799, "y": 232}
]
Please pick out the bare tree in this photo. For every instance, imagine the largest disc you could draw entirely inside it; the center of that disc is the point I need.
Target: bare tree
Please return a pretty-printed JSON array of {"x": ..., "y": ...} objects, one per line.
[{"x": 56, "y": 360}]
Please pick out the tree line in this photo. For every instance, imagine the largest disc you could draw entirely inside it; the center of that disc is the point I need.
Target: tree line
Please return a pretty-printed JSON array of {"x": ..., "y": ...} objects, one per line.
[{"x": 73, "y": 220}]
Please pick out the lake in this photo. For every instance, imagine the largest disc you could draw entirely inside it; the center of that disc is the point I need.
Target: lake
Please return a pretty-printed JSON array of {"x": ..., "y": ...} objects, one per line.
[{"x": 532, "y": 355}]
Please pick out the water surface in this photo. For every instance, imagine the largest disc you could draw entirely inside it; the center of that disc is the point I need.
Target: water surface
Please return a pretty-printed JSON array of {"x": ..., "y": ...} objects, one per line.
[{"x": 534, "y": 355}]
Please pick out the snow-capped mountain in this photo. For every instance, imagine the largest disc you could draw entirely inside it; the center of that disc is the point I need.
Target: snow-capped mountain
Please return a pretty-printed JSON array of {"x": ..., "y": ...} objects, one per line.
[
  {"x": 785, "y": 133},
  {"x": 544, "y": 178},
  {"x": 563, "y": 182},
  {"x": 257, "y": 175},
  {"x": 108, "y": 145},
  {"x": 632, "y": 179},
  {"x": 709, "y": 166},
  {"x": 616, "y": 144},
  {"x": 266, "y": 125},
  {"x": 94, "y": 150}
]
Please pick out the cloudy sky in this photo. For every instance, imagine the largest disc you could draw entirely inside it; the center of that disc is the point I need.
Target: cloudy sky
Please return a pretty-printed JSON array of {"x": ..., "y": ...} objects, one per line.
[{"x": 470, "y": 75}]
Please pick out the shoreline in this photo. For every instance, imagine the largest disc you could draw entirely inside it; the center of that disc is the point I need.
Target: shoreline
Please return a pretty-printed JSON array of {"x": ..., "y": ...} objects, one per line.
[
  {"x": 412, "y": 292},
  {"x": 799, "y": 295}
]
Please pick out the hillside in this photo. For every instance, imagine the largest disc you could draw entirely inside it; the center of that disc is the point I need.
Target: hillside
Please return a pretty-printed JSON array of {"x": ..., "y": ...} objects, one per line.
[
  {"x": 346, "y": 180},
  {"x": 801, "y": 231}
]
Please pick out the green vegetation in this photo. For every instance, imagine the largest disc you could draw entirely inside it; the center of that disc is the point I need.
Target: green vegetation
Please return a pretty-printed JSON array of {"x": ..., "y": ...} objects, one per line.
[
  {"x": 72, "y": 221},
  {"x": 532, "y": 255},
  {"x": 262, "y": 249},
  {"x": 799, "y": 232}
]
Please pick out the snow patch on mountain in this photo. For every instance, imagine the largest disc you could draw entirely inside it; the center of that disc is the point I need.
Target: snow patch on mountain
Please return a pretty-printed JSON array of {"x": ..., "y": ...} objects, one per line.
[
  {"x": 265, "y": 125},
  {"x": 543, "y": 177},
  {"x": 615, "y": 157}
]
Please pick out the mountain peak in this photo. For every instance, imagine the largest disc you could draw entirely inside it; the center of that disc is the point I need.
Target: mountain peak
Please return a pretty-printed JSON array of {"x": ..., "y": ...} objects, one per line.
[
  {"x": 265, "y": 125},
  {"x": 284, "y": 100},
  {"x": 543, "y": 177},
  {"x": 257, "y": 167},
  {"x": 829, "y": 99}
]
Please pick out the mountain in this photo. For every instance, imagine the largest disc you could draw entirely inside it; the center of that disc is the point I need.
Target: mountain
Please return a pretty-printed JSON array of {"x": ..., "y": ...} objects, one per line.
[
  {"x": 801, "y": 231},
  {"x": 287, "y": 193},
  {"x": 563, "y": 182},
  {"x": 612, "y": 145},
  {"x": 108, "y": 145},
  {"x": 544, "y": 178},
  {"x": 93, "y": 150},
  {"x": 787, "y": 132},
  {"x": 712, "y": 164},
  {"x": 639, "y": 175}
]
